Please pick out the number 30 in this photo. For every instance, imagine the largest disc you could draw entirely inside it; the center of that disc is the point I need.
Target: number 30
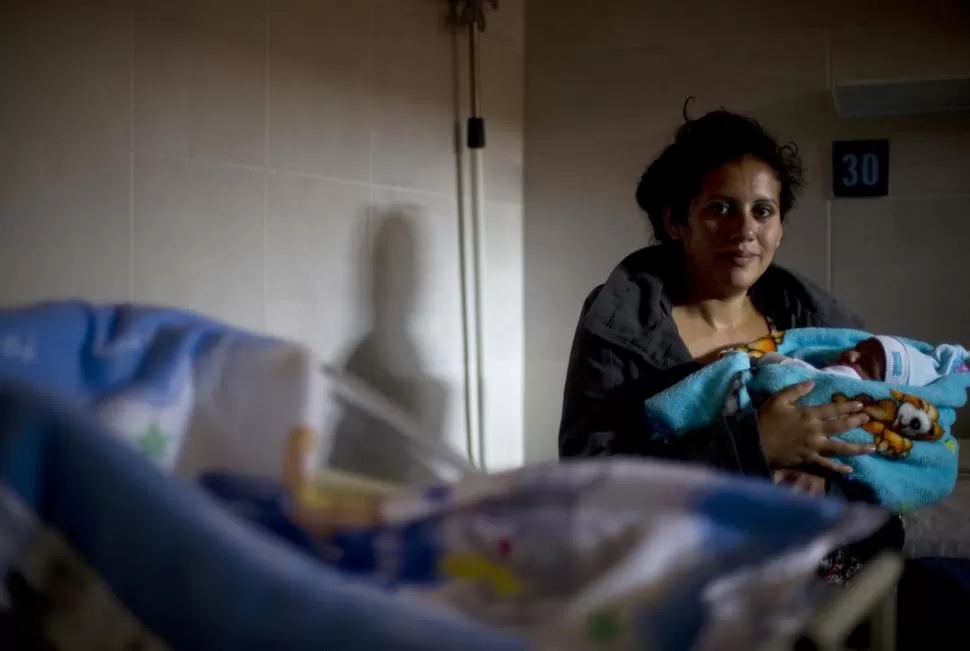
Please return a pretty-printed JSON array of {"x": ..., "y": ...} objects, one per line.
[{"x": 870, "y": 170}]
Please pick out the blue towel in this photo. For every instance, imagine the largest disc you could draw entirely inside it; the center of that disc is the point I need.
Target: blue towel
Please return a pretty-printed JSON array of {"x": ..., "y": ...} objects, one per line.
[
  {"x": 918, "y": 457},
  {"x": 85, "y": 352}
]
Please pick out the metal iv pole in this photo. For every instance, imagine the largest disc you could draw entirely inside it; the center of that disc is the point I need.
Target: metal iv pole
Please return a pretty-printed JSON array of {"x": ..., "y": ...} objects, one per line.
[{"x": 470, "y": 14}]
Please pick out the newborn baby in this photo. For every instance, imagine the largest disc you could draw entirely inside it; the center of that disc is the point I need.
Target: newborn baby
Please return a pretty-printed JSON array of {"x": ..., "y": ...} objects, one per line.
[{"x": 882, "y": 358}]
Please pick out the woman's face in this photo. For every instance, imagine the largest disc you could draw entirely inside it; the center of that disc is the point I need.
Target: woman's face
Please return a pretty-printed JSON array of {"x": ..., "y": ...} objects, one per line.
[{"x": 733, "y": 227}]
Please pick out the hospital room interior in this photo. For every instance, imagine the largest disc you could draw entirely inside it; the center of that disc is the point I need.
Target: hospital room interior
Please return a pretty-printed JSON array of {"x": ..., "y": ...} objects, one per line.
[{"x": 484, "y": 324}]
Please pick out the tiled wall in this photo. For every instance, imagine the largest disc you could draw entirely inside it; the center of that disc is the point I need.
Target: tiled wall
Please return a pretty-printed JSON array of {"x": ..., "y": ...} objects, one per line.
[
  {"x": 286, "y": 165},
  {"x": 606, "y": 80}
]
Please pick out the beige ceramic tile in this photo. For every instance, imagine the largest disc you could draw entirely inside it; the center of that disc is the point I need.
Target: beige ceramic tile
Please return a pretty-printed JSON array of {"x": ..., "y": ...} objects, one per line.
[
  {"x": 364, "y": 445},
  {"x": 581, "y": 220},
  {"x": 409, "y": 341},
  {"x": 919, "y": 49},
  {"x": 200, "y": 79},
  {"x": 319, "y": 81},
  {"x": 805, "y": 120},
  {"x": 198, "y": 238},
  {"x": 582, "y": 95},
  {"x": 64, "y": 69},
  {"x": 573, "y": 241},
  {"x": 932, "y": 125},
  {"x": 899, "y": 262},
  {"x": 544, "y": 380},
  {"x": 586, "y": 24},
  {"x": 562, "y": 24},
  {"x": 65, "y": 226},
  {"x": 416, "y": 96},
  {"x": 503, "y": 283},
  {"x": 503, "y": 105},
  {"x": 504, "y": 416},
  {"x": 316, "y": 266},
  {"x": 454, "y": 430},
  {"x": 805, "y": 246},
  {"x": 415, "y": 279},
  {"x": 930, "y": 163},
  {"x": 621, "y": 93},
  {"x": 504, "y": 336},
  {"x": 507, "y": 24}
]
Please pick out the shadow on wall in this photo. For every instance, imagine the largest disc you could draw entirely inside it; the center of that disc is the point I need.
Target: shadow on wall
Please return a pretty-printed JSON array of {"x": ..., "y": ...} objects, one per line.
[{"x": 387, "y": 358}]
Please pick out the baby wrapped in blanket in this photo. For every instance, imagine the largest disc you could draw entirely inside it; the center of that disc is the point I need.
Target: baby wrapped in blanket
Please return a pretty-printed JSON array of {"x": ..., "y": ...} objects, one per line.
[{"x": 910, "y": 391}]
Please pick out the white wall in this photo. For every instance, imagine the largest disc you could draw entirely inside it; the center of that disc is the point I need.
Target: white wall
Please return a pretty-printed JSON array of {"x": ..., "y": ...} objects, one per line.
[
  {"x": 278, "y": 163},
  {"x": 285, "y": 165},
  {"x": 606, "y": 80}
]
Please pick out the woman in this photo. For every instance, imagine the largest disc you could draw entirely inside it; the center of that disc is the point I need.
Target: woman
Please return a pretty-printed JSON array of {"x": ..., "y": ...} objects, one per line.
[{"x": 717, "y": 200}]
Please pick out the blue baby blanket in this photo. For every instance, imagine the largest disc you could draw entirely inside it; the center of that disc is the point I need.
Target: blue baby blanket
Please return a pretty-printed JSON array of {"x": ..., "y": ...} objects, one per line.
[
  {"x": 193, "y": 393},
  {"x": 917, "y": 459}
]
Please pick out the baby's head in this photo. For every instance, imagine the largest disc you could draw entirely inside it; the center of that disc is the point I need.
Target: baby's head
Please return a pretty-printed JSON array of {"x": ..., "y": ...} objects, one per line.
[
  {"x": 882, "y": 358},
  {"x": 868, "y": 358}
]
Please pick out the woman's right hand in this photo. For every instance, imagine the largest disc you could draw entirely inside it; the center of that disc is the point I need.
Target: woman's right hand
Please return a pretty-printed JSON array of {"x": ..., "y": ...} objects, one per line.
[{"x": 792, "y": 435}]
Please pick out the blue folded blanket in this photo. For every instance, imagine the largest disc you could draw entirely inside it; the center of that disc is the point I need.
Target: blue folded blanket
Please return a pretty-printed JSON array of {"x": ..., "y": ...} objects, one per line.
[{"x": 918, "y": 457}]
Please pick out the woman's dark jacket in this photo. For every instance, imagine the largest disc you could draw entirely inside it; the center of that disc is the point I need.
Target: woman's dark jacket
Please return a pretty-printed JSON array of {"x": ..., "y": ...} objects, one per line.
[{"x": 627, "y": 348}]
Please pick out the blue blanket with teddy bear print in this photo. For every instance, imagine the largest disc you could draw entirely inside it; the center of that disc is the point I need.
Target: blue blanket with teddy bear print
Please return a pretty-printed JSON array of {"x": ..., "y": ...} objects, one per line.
[{"x": 916, "y": 462}]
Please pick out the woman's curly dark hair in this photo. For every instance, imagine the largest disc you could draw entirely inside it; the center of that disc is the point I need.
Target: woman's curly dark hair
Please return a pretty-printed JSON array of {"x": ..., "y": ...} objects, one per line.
[{"x": 701, "y": 146}]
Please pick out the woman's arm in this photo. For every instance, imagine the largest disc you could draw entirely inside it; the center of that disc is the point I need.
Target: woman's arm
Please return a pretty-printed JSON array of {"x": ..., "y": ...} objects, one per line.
[
  {"x": 599, "y": 415},
  {"x": 603, "y": 414}
]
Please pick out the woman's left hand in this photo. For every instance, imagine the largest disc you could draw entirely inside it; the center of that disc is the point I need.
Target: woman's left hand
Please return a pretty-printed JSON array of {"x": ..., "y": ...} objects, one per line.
[{"x": 800, "y": 481}]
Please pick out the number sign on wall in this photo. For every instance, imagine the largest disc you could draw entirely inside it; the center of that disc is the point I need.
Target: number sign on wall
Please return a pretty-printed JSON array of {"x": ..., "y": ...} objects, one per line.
[{"x": 860, "y": 168}]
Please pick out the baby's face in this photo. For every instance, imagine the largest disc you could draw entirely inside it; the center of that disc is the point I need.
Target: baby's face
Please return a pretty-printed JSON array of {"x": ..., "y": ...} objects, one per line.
[{"x": 867, "y": 358}]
